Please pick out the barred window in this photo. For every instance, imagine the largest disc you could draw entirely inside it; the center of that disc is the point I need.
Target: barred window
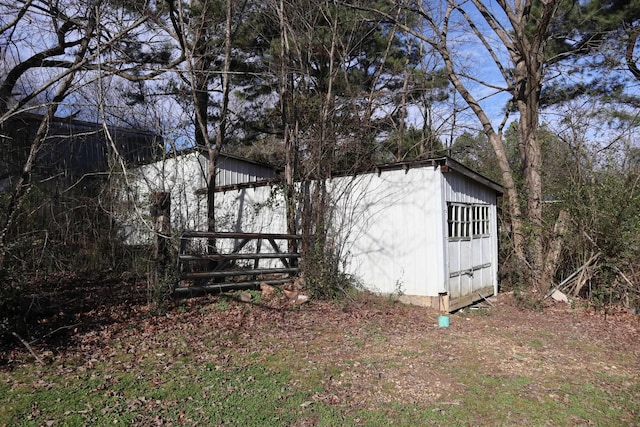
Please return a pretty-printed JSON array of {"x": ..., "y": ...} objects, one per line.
[{"x": 467, "y": 221}]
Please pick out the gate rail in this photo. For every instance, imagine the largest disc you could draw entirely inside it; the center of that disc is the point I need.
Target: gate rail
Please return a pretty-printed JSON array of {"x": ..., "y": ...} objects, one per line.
[{"x": 240, "y": 266}]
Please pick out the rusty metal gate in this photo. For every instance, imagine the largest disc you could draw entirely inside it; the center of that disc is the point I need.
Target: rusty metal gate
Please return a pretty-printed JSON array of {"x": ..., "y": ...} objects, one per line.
[{"x": 238, "y": 260}]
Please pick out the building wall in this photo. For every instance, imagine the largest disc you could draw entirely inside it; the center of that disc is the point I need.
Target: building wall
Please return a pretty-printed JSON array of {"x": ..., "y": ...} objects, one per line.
[
  {"x": 392, "y": 230},
  {"x": 72, "y": 147},
  {"x": 258, "y": 209},
  {"x": 184, "y": 177},
  {"x": 181, "y": 177},
  {"x": 391, "y": 227},
  {"x": 232, "y": 171},
  {"x": 472, "y": 261}
]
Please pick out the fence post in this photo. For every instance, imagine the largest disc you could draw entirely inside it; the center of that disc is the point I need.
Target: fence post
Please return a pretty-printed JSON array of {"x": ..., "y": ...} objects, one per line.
[{"x": 161, "y": 213}]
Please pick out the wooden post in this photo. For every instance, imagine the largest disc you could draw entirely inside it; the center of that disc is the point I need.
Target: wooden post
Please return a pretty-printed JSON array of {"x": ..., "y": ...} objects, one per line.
[{"x": 161, "y": 213}]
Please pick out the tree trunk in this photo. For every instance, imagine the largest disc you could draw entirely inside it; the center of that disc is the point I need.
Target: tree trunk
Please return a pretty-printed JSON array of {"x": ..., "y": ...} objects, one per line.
[
  {"x": 512, "y": 198},
  {"x": 525, "y": 43},
  {"x": 161, "y": 213},
  {"x": 528, "y": 56},
  {"x": 554, "y": 250},
  {"x": 289, "y": 134}
]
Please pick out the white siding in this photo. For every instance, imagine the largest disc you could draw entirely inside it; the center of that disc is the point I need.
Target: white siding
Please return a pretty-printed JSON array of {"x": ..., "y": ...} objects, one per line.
[
  {"x": 251, "y": 210},
  {"x": 180, "y": 176},
  {"x": 391, "y": 227},
  {"x": 231, "y": 171},
  {"x": 471, "y": 263},
  {"x": 184, "y": 176},
  {"x": 460, "y": 189},
  {"x": 396, "y": 235},
  {"x": 392, "y": 230}
]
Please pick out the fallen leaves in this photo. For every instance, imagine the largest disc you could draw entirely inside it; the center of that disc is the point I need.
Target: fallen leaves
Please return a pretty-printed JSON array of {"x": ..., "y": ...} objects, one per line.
[{"x": 368, "y": 352}]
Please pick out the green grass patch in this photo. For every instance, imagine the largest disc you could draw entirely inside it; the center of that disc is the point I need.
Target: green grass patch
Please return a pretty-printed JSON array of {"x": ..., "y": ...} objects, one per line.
[
  {"x": 495, "y": 400},
  {"x": 476, "y": 312},
  {"x": 239, "y": 395},
  {"x": 281, "y": 389},
  {"x": 243, "y": 366}
]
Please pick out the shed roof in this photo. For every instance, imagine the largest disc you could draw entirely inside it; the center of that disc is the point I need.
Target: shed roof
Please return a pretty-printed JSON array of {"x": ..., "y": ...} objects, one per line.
[
  {"x": 222, "y": 155},
  {"x": 446, "y": 163}
]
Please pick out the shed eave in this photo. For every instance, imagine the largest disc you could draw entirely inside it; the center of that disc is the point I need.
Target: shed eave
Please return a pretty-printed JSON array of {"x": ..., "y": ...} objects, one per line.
[
  {"x": 462, "y": 169},
  {"x": 444, "y": 161}
]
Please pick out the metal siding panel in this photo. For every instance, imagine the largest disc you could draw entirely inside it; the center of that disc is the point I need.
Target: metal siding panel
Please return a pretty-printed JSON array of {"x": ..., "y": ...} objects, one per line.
[
  {"x": 455, "y": 287},
  {"x": 487, "y": 250},
  {"x": 442, "y": 279},
  {"x": 493, "y": 212},
  {"x": 471, "y": 254},
  {"x": 181, "y": 176},
  {"x": 453, "y": 264},
  {"x": 246, "y": 211},
  {"x": 460, "y": 189},
  {"x": 397, "y": 229},
  {"x": 476, "y": 252},
  {"x": 231, "y": 171},
  {"x": 392, "y": 241}
]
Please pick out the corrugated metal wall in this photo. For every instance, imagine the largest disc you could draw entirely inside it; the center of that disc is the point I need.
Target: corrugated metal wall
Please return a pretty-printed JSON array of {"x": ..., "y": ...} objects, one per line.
[
  {"x": 233, "y": 171},
  {"x": 251, "y": 210},
  {"x": 393, "y": 230},
  {"x": 460, "y": 189},
  {"x": 184, "y": 176},
  {"x": 472, "y": 261},
  {"x": 392, "y": 226}
]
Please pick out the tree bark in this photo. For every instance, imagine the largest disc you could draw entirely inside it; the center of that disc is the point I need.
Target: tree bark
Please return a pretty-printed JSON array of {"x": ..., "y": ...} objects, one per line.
[
  {"x": 290, "y": 135},
  {"x": 629, "y": 54},
  {"x": 161, "y": 213},
  {"x": 554, "y": 250},
  {"x": 528, "y": 47}
]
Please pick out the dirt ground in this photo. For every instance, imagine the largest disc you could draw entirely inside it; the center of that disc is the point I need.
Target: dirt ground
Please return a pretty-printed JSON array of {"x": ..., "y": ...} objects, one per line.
[{"x": 369, "y": 349}]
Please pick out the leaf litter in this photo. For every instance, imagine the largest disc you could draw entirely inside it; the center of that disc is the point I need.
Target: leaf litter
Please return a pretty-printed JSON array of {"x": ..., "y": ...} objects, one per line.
[{"x": 364, "y": 352}]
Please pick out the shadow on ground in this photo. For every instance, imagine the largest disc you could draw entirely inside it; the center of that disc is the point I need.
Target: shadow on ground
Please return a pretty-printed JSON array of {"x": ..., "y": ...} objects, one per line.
[{"x": 51, "y": 311}]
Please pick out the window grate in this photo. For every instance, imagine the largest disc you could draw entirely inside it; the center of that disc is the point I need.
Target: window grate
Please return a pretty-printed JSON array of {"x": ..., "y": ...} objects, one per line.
[{"x": 466, "y": 221}]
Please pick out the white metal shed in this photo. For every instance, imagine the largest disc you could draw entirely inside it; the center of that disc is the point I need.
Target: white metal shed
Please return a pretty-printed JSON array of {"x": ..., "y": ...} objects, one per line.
[
  {"x": 424, "y": 231},
  {"x": 183, "y": 175}
]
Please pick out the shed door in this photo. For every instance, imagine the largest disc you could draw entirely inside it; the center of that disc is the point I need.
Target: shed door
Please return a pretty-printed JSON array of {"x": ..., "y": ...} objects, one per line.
[{"x": 469, "y": 249}]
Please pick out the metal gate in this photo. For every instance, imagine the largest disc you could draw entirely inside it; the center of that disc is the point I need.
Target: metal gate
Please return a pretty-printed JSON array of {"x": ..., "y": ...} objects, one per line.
[{"x": 241, "y": 261}]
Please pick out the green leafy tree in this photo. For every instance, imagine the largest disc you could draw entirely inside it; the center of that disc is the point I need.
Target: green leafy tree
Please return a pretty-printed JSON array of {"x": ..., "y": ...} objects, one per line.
[
  {"x": 594, "y": 46},
  {"x": 342, "y": 70}
]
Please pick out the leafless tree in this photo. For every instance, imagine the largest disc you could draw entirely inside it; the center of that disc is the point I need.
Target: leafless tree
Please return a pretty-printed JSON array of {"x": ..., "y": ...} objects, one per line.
[
  {"x": 204, "y": 30},
  {"x": 53, "y": 48},
  {"x": 513, "y": 37},
  {"x": 330, "y": 119}
]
